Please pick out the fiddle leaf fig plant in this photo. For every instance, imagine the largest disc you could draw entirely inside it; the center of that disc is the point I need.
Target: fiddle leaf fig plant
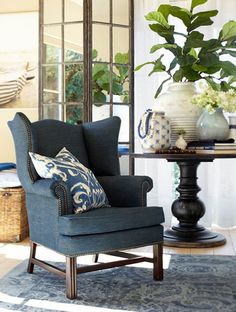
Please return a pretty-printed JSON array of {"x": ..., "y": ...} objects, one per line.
[
  {"x": 196, "y": 58},
  {"x": 101, "y": 78}
]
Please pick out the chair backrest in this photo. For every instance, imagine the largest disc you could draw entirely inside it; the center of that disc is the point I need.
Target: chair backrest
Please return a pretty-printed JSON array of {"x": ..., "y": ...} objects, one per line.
[{"x": 94, "y": 144}]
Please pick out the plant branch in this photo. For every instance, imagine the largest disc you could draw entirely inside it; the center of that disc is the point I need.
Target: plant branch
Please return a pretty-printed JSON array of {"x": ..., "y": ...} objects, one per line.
[{"x": 180, "y": 34}]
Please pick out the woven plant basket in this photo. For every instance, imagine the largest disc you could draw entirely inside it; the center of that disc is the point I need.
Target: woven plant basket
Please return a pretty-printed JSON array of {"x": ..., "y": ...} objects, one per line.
[{"x": 13, "y": 215}]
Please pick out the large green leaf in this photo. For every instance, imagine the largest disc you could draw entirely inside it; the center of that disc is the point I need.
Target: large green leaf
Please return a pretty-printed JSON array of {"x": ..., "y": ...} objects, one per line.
[
  {"x": 194, "y": 40},
  {"x": 144, "y": 64},
  {"x": 162, "y": 45},
  {"x": 164, "y": 9},
  {"x": 99, "y": 70},
  {"x": 230, "y": 52},
  {"x": 178, "y": 75},
  {"x": 123, "y": 73},
  {"x": 206, "y": 14},
  {"x": 231, "y": 44},
  {"x": 208, "y": 59},
  {"x": 186, "y": 60},
  {"x": 197, "y": 2},
  {"x": 211, "y": 44},
  {"x": 193, "y": 53},
  {"x": 94, "y": 54},
  {"x": 228, "y": 31},
  {"x": 122, "y": 58},
  {"x": 232, "y": 80},
  {"x": 182, "y": 14},
  {"x": 99, "y": 97},
  {"x": 117, "y": 88},
  {"x": 228, "y": 69},
  {"x": 190, "y": 74},
  {"x": 168, "y": 34},
  {"x": 215, "y": 86},
  {"x": 157, "y": 17},
  {"x": 200, "y": 21},
  {"x": 172, "y": 65},
  {"x": 224, "y": 86},
  {"x": 212, "y": 69},
  {"x": 158, "y": 66},
  {"x": 199, "y": 68}
]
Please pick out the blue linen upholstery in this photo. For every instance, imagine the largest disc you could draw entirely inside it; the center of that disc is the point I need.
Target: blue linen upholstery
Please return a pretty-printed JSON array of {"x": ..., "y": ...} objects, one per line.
[
  {"x": 127, "y": 224},
  {"x": 85, "y": 189}
]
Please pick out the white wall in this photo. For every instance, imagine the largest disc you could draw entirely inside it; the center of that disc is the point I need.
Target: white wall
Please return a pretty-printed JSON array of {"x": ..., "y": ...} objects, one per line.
[{"x": 7, "y": 150}]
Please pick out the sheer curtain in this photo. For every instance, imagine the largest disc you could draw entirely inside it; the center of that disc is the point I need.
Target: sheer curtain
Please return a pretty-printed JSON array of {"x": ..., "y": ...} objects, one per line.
[{"x": 216, "y": 179}]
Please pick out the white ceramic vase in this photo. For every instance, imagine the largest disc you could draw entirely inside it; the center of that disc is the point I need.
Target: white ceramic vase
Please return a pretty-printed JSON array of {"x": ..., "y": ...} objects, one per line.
[
  {"x": 181, "y": 143},
  {"x": 176, "y": 103}
]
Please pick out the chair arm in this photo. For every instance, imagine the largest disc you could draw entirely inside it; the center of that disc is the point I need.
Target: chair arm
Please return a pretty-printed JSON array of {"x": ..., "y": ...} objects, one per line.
[
  {"x": 59, "y": 189},
  {"x": 126, "y": 191}
]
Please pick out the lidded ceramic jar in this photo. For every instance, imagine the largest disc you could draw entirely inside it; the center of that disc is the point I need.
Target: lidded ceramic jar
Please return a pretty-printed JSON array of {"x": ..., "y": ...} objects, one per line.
[{"x": 154, "y": 131}]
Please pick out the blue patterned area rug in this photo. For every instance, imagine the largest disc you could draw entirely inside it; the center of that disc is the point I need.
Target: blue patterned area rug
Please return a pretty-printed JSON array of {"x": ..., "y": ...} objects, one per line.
[{"x": 191, "y": 284}]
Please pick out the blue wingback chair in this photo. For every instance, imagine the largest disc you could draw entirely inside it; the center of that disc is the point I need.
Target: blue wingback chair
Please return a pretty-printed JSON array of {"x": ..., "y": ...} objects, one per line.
[{"x": 128, "y": 223}]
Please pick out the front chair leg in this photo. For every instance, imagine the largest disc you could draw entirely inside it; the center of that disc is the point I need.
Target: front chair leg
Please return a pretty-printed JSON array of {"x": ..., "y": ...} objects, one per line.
[
  {"x": 158, "y": 262},
  {"x": 95, "y": 258},
  {"x": 33, "y": 246},
  {"x": 71, "y": 278}
]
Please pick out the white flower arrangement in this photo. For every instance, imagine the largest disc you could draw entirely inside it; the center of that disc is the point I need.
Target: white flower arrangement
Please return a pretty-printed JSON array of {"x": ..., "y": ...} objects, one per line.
[{"x": 211, "y": 100}]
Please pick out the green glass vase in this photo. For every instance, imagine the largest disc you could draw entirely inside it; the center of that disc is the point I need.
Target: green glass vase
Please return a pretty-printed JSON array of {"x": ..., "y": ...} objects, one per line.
[{"x": 212, "y": 126}]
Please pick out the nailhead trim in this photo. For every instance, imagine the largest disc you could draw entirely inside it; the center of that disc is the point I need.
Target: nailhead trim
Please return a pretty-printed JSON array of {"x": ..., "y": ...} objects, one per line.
[
  {"x": 104, "y": 251},
  {"x": 30, "y": 147},
  {"x": 63, "y": 203}
]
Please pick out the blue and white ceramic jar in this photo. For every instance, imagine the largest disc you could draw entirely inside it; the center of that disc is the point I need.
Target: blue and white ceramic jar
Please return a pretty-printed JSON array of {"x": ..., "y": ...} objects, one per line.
[{"x": 154, "y": 131}]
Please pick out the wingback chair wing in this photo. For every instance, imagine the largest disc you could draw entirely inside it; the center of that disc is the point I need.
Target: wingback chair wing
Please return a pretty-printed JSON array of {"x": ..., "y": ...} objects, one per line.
[{"x": 127, "y": 223}]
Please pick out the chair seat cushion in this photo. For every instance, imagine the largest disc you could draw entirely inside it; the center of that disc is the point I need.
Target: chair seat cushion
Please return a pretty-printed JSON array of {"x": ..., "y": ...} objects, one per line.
[{"x": 112, "y": 219}]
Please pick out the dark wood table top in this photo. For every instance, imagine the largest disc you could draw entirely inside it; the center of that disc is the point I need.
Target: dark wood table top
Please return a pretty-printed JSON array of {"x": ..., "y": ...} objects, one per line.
[{"x": 201, "y": 156}]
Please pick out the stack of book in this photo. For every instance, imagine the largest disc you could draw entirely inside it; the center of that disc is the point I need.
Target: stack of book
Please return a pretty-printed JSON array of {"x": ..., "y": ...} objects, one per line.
[{"x": 212, "y": 146}]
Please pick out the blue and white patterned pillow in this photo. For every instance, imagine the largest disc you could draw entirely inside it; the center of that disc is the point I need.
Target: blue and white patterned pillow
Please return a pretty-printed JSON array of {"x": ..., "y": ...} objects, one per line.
[{"x": 86, "y": 191}]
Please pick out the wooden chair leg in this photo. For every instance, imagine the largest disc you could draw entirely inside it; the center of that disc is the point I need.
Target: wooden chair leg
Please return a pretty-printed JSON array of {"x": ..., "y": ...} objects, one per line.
[
  {"x": 33, "y": 246},
  {"x": 71, "y": 277},
  {"x": 158, "y": 262},
  {"x": 95, "y": 258}
]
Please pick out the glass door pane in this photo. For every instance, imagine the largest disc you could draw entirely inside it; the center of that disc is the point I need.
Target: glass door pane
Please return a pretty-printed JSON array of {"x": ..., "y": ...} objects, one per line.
[
  {"x": 73, "y": 42},
  {"x": 52, "y": 11},
  {"x": 101, "y": 11},
  {"x": 73, "y": 10},
  {"x": 120, "y": 12}
]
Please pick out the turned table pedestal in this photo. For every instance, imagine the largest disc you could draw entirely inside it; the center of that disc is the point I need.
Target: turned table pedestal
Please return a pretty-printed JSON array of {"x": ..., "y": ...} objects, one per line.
[{"x": 188, "y": 208}]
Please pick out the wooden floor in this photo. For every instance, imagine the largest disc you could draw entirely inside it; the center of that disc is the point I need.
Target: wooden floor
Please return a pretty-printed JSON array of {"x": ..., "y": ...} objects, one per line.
[{"x": 13, "y": 254}]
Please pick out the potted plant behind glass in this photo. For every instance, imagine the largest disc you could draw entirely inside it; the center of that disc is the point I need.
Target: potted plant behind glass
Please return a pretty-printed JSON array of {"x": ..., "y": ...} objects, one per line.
[
  {"x": 101, "y": 79},
  {"x": 194, "y": 60}
]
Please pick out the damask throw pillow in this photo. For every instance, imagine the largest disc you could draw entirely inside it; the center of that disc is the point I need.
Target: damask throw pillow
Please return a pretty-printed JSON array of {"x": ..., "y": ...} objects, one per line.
[{"x": 86, "y": 191}]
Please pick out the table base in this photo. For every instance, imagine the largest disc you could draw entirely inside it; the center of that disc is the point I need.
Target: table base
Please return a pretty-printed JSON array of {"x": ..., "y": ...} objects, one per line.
[{"x": 197, "y": 237}]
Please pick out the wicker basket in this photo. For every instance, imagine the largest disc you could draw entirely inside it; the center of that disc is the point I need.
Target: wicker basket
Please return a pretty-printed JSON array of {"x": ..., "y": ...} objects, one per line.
[{"x": 13, "y": 215}]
